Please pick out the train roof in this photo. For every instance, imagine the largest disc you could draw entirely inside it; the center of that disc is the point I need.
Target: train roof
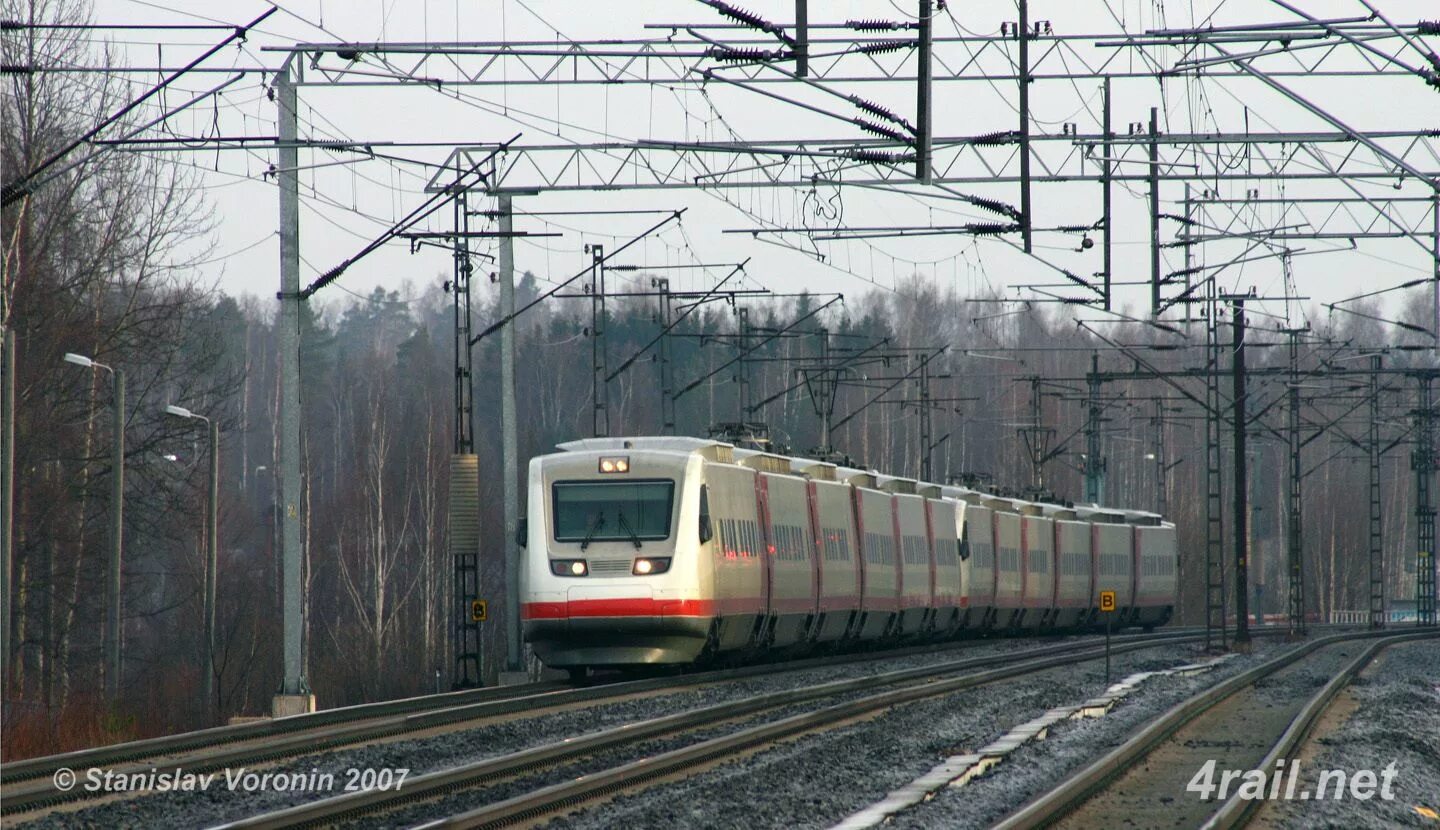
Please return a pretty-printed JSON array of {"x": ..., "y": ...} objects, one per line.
[
  {"x": 725, "y": 453},
  {"x": 708, "y": 448}
]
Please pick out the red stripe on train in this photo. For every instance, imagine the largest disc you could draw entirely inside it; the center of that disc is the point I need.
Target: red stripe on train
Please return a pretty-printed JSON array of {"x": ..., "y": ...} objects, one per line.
[{"x": 638, "y": 607}]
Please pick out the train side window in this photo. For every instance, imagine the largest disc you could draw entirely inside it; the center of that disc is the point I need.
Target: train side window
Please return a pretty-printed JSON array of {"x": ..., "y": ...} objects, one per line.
[{"x": 706, "y": 531}]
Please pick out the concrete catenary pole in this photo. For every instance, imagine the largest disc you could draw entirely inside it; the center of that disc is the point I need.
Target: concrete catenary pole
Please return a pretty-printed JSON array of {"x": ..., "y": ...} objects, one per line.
[
  {"x": 212, "y": 564},
  {"x": 509, "y": 450},
  {"x": 113, "y": 596},
  {"x": 294, "y": 696},
  {"x": 1242, "y": 490},
  {"x": 7, "y": 500}
]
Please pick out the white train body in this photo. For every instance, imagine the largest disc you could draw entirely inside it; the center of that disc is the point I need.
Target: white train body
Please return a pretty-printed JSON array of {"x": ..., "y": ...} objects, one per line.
[{"x": 668, "y": 550}]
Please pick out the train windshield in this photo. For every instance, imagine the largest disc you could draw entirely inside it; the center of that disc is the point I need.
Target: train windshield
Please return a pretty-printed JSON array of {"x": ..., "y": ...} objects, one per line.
[{"x": 612, "y": 510}]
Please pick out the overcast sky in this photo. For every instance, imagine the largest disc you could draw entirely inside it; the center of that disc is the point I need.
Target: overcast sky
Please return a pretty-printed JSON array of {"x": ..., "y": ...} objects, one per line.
[{"x": 345, "y": 205}]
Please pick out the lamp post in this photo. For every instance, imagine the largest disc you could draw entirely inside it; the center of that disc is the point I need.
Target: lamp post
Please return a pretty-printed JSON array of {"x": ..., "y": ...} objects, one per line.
[
  {"x": 117, "y": 521},
  {"x": 212, "y": 543}
]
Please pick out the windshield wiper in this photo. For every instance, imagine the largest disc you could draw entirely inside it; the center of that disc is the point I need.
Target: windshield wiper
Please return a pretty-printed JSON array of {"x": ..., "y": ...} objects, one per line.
[
  {"x": 625, "y": 526},
  {"x": 594, "y": 528}
]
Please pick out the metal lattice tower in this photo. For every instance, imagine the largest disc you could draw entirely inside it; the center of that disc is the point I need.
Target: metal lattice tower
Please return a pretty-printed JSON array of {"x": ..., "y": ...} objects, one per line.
[
  {"x": 926, "y": 459},
  {"x": 1037, "y": 437},
  {"x": 599, "y": 322},
  {"x": 1094, "y": 464},
  {"x": 1377, "y": 550},
  {"x": 742, "y": 325},
  {"x": 667, "y": 368},
  {"x": 464, "y": 475},
  {"x": 1423, "y": 463},
  {"x": 464, "y": 388},
  {"x": 1162, "y": 494},
  {"x": 1215, "y": 633},
  {"x": 1295, "y": 563},
  {"x": 1241, "y": 495}
]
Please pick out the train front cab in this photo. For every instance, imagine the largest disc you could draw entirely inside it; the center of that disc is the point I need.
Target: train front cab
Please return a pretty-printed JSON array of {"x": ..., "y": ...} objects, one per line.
[{"x": 614, "y": 571}]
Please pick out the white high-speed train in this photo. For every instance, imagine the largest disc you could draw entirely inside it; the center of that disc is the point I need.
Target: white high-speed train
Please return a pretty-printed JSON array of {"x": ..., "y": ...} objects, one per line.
[{"x": 668, "y": 550}]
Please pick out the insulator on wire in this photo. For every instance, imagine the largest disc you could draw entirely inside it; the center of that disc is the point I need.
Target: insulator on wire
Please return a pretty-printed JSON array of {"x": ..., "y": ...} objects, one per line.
[
  {"x": 880, "y": 47},
  {"x": 881, "y": 130},
  {"x": 989, "y": 228},
  {"x": 1428, "y": 27},
  {"x": 873, "y": 25},
  {"x": 749, "y": 19},
  {"x": 725, "y": 53},
  {"x": 877, "y": 110},
  {"x": 880, "y": 157},
  {"x": 996, "y": 138},
  {"x": 995, "y": 206}
]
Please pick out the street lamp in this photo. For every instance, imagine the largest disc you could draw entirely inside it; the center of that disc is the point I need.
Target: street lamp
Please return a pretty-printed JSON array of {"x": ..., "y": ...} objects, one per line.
[
  {"x": 117, "y": 520},
  {"x": 212, "y": 540}
]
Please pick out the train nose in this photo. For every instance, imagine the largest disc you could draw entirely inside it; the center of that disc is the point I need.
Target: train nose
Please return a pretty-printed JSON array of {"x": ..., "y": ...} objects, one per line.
[{"x": 615, "y": 608}]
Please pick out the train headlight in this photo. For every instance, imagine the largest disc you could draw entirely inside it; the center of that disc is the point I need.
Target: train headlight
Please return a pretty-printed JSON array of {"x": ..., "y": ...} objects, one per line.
[
  {"x": 569, "y": 567},
  {"x": 615, "y": 464},
  {"x": 649, "y": 567}
]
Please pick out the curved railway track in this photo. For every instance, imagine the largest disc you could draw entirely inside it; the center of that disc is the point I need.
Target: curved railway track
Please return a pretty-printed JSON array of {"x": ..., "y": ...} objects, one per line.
[
  {"x": 1244, "y": 723},
  {"x": 875, "y": 693},
  {"x": 28, "y": 784}
]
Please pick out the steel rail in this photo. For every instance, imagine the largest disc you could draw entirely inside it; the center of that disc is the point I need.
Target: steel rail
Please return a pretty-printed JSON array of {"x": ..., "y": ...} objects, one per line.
[
  {"x": 28, "y": 783},
  {"x": 1081, "y": 786},
  {"x": 17, "y": 771},
  {"x": 922, "y": 684},
  {"x": 1236, "y": 811}
]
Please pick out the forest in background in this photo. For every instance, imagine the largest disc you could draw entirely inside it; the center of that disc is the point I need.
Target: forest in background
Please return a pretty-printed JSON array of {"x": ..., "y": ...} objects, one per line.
[{"x": 90, "y": 268}]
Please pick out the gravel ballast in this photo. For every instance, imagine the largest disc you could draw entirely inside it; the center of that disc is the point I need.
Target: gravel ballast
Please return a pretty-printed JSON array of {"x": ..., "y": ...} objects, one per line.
[
  {"x": 819, "y": 779},
  {"x": 422, "y": 755},
  {"x": 1395, "y": 720}
]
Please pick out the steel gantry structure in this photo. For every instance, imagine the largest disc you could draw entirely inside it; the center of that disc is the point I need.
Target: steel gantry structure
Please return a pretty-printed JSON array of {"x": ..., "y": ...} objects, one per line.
[
  {"x": 812, "y": 66},
  {"x": 846, "y": 74}
]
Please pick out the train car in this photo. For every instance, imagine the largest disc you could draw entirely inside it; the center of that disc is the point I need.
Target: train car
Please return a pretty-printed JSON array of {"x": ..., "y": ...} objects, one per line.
[
  {"x": 1156, "y": 569},
  {"x": 874, "y": 513},
  {"x": 1037, "y": 568},
  {"x": 839, "y": 556},
  {"x": 668, "y": 550},
  {"x": 789, "y": 549},
  {"x": 978, "y": 537},
  {"x": 952, "y": 566},
  {"x": 1009, "y": 571},
  {"x": 1113, "y": 563},
  {"x": 1074, "y": 587},
  {"x": 732, "y": 570},
  {"x": 917, "y": 566}
]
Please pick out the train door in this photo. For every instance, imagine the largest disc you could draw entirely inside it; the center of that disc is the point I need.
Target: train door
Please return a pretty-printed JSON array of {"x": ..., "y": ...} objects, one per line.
[
  {"x": 899, "y": 547},
  {"x": 817, "y": 554},
  {"x": 765, "y": 624}
]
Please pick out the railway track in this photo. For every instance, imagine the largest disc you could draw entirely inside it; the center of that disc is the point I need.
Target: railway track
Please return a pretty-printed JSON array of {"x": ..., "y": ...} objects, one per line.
[
  {"x": 28, "y": 785},
  {"x": 868, "y": 695},
  {"x": 1248, "y": 722}
]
